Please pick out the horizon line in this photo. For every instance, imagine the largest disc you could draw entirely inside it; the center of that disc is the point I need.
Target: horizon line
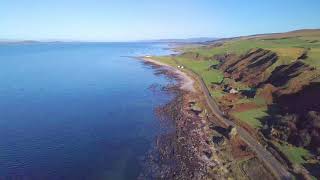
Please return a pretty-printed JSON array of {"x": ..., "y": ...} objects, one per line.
[{"x": 66, "y": 40}]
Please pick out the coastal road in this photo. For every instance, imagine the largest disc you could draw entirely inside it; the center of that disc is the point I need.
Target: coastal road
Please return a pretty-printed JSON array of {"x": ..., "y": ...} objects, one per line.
[{"x": 279, "y": 171}]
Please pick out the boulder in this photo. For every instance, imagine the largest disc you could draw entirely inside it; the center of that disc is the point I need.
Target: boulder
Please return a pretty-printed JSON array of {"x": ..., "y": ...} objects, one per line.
[
  {"x": 218, "y": 140},
  {"x": 232, "y": 132},
  {"x": 314, "y": 118},
  {"x": 196, "y": 109}
]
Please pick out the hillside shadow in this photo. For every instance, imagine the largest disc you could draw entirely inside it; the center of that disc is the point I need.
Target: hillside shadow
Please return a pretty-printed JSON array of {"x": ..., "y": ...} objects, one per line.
[
  {"x": 248, "y": 93},
  {"x": 274, "y": 117},
  {"x": 283, "y": 73},
  {"x": 221, "y": 130},
  {"x": 308, "y": 98},
  {"x": 313, "y": 168}
]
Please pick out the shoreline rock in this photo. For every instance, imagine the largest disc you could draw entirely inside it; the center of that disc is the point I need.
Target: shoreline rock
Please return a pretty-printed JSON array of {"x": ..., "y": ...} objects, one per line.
[{"x": 181, "y": 153}]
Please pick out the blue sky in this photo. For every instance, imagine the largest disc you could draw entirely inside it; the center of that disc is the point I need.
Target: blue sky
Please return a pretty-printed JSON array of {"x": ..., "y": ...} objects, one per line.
[{"x": 123, "y": 20}]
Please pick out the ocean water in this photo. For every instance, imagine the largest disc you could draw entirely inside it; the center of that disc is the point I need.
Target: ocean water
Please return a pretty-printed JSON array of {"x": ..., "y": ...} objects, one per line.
[{"x": 76, "y": 110}]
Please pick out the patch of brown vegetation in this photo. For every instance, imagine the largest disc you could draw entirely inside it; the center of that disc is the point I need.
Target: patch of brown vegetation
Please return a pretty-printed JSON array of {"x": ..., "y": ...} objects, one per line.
[
  {"x": 266, "y": 92},
  {"x": 240, "y": 149},
  {"x": 225, "y": 57},
  {"x": 245, "y": 107},
  {"x": 227, "y": 101},
  {"x": 231, "y": 98}
]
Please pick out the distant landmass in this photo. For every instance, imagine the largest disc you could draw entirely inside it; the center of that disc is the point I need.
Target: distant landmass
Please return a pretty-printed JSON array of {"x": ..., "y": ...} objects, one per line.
[{"x": 188, "y": 40}]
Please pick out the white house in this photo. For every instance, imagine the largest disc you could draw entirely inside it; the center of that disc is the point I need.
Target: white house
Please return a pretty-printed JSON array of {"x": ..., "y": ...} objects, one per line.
[{"x": 233, "y": 91}]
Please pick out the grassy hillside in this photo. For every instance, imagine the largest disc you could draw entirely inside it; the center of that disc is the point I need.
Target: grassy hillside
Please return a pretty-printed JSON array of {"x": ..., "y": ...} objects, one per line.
[
  {"x": 288, "y": 47},
  {"x": 297, "y": 65}
]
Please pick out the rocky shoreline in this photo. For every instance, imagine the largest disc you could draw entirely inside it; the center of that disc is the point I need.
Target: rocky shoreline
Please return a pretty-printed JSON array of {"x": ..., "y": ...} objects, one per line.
[
  {"x": 176, "y": 153},
  {"x": 197, "y": 145}
]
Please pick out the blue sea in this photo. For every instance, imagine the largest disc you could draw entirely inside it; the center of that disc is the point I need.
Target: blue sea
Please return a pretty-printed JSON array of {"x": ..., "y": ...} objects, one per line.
[{"x": 77, "y": 110}]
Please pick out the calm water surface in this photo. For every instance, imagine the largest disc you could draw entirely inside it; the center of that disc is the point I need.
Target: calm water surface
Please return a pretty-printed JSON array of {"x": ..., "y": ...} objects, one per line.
[{"x": 76, "y": 110}]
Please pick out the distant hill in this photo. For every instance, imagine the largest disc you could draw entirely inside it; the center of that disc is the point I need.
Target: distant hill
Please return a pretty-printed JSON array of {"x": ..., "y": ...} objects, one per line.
[
  {"x": 290, "y": 34},
  {"x": 188, "y": 40},
  {"x": 17, "y": 41}
]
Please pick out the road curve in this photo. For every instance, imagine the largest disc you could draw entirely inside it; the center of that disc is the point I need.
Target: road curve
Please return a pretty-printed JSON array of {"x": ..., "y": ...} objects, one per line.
[{"x": 279, "y": 171}]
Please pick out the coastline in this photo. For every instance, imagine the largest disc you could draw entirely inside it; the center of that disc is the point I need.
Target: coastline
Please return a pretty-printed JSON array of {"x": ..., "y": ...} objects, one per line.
[
  {"x": 181, "y": 152},
  {"x": 201, "y": 147}
]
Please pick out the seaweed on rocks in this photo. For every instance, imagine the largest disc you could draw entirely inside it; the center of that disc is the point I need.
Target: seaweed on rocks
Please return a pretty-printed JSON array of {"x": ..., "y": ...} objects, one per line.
[{"x": 176, "y": 153}]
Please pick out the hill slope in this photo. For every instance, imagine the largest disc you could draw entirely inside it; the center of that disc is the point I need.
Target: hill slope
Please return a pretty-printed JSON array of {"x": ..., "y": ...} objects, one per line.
[{"x": 269, "y": 84}]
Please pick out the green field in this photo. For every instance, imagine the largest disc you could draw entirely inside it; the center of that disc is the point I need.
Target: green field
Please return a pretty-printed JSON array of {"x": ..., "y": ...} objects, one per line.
[
  {"x": 166, "y": 59},
  {"x": 296, "y": 155},
  {"x": 252, "y": 117},
  {"x": 202, "y": 68},
  {"x": 314, "y": 57}
]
